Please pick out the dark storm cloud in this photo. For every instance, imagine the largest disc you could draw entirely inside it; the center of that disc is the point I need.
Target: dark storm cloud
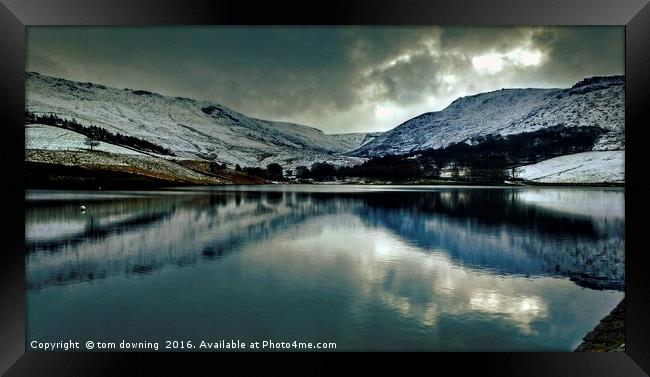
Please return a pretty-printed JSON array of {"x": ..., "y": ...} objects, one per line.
[
  {"x": 578, "y": 52},
  {"x": 405, "y": 81},
  {"x": 478, "y": 39},
  {"x": 340, "y": 79}
]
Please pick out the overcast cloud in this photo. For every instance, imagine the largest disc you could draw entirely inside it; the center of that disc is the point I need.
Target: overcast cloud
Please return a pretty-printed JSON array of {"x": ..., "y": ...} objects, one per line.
[{"x": 339, "y": 79}]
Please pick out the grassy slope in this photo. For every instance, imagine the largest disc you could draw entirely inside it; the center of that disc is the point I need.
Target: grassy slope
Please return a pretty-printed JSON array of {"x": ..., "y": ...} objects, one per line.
[
  {"x": 91, "y": 168},
  {"x": 608, "y": 335}
]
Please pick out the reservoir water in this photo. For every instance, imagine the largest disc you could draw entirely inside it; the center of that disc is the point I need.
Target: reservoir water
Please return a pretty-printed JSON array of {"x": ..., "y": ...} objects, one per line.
[{"x": 366, "y": 267}]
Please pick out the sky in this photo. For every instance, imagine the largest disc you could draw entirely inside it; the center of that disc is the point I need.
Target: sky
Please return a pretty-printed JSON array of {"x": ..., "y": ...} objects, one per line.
[{"x": 337, "y": 78}]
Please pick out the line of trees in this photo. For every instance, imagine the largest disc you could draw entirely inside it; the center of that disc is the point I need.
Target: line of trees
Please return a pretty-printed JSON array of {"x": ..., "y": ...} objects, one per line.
[
  {"x": 272, "y": 172},
  {"x": 96, "y": 134},
  {"x": 491, "y": 158},
  {"x": 503, "y": 151}
]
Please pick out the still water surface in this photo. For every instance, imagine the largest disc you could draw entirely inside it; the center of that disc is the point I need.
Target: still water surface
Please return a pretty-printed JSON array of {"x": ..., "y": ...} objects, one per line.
[{"x": 367, "y": 267}]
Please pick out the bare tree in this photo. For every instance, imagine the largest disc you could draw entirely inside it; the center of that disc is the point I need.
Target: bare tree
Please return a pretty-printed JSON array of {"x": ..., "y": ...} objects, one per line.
[
  {"x": 91, "y": 142},
  {"x": 515, "y": 172}
]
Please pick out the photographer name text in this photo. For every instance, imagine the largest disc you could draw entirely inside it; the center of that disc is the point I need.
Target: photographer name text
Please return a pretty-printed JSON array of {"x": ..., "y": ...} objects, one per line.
[{"x": 203, "y": 345}]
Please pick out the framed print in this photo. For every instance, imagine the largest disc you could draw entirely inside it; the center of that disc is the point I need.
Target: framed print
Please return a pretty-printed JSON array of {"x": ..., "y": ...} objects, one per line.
[{"x": 461, "y": 180}]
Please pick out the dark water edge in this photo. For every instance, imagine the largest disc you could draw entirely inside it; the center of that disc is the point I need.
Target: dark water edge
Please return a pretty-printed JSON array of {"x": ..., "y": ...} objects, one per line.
[
  {"x": 60, "y": 177},
  {"x": 550, "y": 184},
  {"x": 57, "y": 177},
  {"x": 608, "y": 335}
]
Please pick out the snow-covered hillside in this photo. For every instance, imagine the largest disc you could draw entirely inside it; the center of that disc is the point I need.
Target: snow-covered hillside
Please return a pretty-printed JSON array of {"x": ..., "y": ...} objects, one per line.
[
  {"x": 586, "y": 167},
  {"x": 201, "y": 130},
  {"x": 596, "y": 101},
  {"x": 189, "y": 128},
  {"x": 41, "y": 136},
  {"x": 352, "y": 141}
]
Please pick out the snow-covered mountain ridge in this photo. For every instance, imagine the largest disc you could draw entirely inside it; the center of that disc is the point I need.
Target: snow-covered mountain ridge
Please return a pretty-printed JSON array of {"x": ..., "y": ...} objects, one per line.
[
  {"x": 201, "y": 130},
  {"x": 189, "y": 128},
  {"x": 594, "y": 101}
]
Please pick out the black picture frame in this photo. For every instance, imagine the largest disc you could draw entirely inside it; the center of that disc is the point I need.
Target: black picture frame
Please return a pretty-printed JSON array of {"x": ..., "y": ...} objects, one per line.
[{"x": 15, "y": 15}]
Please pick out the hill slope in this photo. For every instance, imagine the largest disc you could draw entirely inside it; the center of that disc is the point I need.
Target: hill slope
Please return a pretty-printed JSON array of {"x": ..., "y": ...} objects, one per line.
[
  {"x": 192, "y": 133},
  {"x": 191, "y": 129},
  {"x": 585, "y": 167},
  {"x": 596, "y": 101}
]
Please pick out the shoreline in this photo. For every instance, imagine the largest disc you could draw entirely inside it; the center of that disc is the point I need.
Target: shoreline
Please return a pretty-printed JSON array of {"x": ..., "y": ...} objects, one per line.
[
  {"x": 115, "y": 180},
  {"x": 87, "y": 170},
  {"x": 608, "y": 335}
]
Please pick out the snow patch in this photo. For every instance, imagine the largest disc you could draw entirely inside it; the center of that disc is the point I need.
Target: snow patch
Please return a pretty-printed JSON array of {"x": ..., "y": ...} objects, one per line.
[
  {"x": 586, "y": 167},
  {"x": 41, "y": 136}
]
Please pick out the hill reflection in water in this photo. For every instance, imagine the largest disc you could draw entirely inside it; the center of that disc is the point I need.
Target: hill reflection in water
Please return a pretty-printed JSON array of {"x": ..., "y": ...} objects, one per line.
[{"x": 509, "y": 231}]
